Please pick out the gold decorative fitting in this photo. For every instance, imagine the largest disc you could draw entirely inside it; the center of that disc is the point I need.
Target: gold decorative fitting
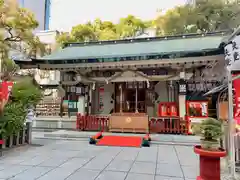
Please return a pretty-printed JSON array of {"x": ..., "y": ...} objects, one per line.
[{"x": 128, "y": 120}]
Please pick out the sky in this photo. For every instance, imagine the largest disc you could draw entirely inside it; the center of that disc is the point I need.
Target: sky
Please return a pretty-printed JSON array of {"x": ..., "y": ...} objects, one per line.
[{"x": 66, "y": 13}]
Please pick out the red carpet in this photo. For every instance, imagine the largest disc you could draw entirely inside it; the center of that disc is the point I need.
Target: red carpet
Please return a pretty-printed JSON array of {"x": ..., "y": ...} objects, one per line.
[{"x": 122, "y": 141}]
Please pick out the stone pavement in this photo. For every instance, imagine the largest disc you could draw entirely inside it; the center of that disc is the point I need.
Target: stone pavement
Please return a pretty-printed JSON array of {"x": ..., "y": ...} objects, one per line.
[
  {"x": 77, "y": 160},
  {"x": 67, "y": 134}
]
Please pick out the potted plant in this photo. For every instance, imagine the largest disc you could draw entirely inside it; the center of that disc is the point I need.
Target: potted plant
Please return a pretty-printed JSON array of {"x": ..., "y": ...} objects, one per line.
[{"x": 209, "y": 150}]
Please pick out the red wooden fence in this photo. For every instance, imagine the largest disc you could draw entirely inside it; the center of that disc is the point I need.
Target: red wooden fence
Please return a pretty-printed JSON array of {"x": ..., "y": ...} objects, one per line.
[
  {"x": 156, "y": 124},
  {"x": 168, "y": 125},
  {"x": 92, "y": 123}
]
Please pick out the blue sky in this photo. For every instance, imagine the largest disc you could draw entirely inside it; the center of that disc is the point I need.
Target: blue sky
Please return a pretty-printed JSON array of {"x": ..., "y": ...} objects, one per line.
[{"x": 67, "y": 13}]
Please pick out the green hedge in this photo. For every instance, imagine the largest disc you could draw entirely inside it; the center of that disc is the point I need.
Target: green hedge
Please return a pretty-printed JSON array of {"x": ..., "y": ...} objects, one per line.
[{"x": 24, "y": 93}]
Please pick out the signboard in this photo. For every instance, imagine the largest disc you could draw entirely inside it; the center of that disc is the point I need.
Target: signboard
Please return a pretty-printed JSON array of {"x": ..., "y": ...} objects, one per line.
[
  {"x": 182, "y": 87},
  {"x": 232, "y": 57},
  {"x": 232, "y": 53}
]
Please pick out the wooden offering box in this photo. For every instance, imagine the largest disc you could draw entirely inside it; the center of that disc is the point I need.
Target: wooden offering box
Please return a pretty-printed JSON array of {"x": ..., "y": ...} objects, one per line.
[{"x": 129, "y": 122}]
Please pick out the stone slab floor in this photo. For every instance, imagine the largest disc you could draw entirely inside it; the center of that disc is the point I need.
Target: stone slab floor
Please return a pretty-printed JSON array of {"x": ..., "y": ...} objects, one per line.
[{"x": 77, "y": 160}]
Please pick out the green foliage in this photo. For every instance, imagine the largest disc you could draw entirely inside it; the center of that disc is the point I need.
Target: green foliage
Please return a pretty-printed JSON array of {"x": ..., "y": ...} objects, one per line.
[
  {"x": 24, "y": 93},
  {"x": 13, "y": 119},
  {"x": 129, "y": 26},
  {"x": 204, "y": 16},
  {"x": 210, "y": 129},
  {"x": 17, "y": 25},
  {"x": 9, "y": 68}
]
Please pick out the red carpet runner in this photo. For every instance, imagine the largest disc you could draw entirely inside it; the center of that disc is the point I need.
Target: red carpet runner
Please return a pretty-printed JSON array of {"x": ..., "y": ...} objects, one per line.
[{"x": 122, "y": 141}]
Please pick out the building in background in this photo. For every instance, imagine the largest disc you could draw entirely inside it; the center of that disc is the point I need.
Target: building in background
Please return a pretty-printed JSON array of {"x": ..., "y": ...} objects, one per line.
[{"x": 41, "y": 10}]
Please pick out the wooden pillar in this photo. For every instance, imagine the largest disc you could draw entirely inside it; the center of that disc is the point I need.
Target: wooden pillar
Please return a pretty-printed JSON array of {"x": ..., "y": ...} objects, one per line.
[
  {"x": 136, "y": 99},
  {"x": 121, "y": 98}
]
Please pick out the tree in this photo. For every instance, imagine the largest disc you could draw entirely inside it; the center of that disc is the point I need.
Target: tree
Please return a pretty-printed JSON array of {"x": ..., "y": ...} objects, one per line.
[
  {"x": 24, "y": 93},
  {"x": 105, "y": 30},
  {"x": 204, "y": 16},
  {"x": 127, "y": 27},
  {"x": 17, "y": 25},
  {"x": 214, "y": 15},
  {"x": 176, "y": 21},
  {"x": 130, "y": 27},
  {"x": 83, "y": 32}
]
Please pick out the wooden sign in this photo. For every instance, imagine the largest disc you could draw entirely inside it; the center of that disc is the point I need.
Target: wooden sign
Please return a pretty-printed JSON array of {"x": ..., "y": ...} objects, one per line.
[{"x": 182, "y": 87}]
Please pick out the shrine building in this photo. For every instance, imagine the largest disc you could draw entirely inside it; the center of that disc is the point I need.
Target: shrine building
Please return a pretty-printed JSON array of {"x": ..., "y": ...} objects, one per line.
[{"x": 152, "y": 77}]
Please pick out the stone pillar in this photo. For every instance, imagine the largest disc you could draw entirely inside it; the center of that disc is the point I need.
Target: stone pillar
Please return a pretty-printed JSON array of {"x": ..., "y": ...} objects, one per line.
[
  {"x": 34, "y": 123},
  {"x": 182, "y": 95},
  {"x": 11, "y": 141},
  {"x": 81, "y": 105},
  {"x": 182, "y": 106},
  {"x": 59, "y": 123},
  {"x": 18, "y": 136},
  {"x": 29, "y": 132}
]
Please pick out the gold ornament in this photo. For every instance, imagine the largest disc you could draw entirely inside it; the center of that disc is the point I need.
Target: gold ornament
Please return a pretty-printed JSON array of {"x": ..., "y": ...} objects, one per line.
[{"x": 128, "y": 120}]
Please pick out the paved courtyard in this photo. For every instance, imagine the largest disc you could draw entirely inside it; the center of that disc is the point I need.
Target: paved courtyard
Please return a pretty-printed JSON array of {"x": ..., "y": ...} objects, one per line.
[{"x": 74, "y": 160}]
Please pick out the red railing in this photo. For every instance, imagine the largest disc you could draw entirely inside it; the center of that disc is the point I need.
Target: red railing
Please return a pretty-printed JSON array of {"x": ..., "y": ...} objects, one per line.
[
  {"x": 92, "y": 123},
  {"x": 169, "y": 125},
  {"x": 164, "y": 125}
]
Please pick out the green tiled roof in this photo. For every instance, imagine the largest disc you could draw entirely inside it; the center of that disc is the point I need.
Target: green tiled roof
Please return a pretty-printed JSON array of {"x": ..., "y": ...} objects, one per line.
[{"x": 133, "y": 48}]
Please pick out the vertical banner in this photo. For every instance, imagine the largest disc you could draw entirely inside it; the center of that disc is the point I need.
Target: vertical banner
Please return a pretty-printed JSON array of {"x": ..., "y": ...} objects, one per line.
[
  {"x": 182, "y": 90},
  {"x": 6, "y": 88},
  {"x": 236, "y": 86}
]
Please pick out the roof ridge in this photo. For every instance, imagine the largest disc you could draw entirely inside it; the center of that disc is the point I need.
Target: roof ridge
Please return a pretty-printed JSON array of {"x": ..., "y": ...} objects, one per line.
[{"x": 147, "y": 39}]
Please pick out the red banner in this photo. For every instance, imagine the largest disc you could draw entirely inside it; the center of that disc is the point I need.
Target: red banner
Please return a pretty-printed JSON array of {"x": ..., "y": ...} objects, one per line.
[
  {"x": 236, "y": 86},
  {"x": 5, "y": 89}
]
